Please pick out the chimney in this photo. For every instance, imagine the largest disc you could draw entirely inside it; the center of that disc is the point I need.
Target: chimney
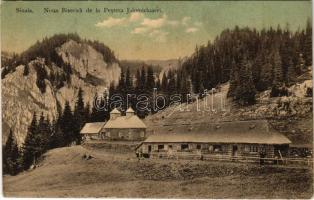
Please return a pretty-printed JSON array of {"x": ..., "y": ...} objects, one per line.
[{"x": 114, "y": 114}]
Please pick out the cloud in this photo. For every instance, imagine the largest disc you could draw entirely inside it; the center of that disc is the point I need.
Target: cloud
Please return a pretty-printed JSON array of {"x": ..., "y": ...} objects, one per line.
[
  {"x": 198, "y": 24},
  {"x": 155, "y": 23},
  {"x": 185, "y": 21},
  {"x": 110, "y": 22},
  {"x": 158, "y": 35},
  {"x": 154, "y": 28},
  {"x": 191, "y": 30},
  {"x": 136, "y": 16},
  {"x": 173, "y": 22},
  {"x": 140, "y": 30}
]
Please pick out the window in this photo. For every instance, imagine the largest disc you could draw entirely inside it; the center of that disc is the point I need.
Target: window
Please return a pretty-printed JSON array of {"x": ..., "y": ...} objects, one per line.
[
  {"x": 253, "y": 148},
  {"x": 161, "y": 147},
  {"x": 184, "y": 146},
  {"x": 108, "y": 134},
  {"x": 170, "y": 146},
  {"x": 198, "y": 146},
  {"x": 205, "y": 146},
  {"x": 130, "y": 134},
  {"x": 142, "y": 134},
  {"x": 217, "y": 148},
  {"x": 246, "y": 148}
]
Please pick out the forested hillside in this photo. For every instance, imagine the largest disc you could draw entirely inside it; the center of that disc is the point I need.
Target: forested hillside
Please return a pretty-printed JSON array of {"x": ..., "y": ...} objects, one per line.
[{"x": 252, "y": 60}]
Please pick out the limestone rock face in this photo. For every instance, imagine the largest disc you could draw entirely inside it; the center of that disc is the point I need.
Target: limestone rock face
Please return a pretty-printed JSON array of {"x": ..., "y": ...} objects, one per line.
[
  {"x": 21, "y": 96},
  {"x": 86, "y": 61}
]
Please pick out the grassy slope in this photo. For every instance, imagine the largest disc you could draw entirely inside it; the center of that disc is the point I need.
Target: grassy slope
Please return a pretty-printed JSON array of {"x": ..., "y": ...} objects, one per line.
[{"x": 63, "y": 173}]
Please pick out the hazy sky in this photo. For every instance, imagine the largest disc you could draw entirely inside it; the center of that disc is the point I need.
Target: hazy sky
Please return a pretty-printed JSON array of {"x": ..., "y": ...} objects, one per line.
[{"x": 174, "y": 32}]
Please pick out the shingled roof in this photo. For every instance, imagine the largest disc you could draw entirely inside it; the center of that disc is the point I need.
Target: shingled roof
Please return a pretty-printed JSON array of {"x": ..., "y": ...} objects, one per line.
[
  {"x": 274, "y": 138},
  {"x": 125, "y": 122},
  {"x": 92, "y": 128},
  {"x": 257, "y": 132}
]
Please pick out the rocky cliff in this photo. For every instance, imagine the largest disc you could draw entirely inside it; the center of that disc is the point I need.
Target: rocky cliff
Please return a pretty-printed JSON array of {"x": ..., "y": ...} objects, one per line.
[{"x": 21, "y": 96}]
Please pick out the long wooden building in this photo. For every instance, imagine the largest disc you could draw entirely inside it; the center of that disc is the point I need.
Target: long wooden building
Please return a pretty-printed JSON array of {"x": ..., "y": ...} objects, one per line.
[{"x": 234, "y": 139}]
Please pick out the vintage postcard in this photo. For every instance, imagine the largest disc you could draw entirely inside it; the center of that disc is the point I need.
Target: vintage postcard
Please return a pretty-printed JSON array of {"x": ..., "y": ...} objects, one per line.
[{"x": 157, "y": 99}]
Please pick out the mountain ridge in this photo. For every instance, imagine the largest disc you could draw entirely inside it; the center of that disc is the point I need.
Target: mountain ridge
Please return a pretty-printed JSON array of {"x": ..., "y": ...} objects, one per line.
[{"x": 42, "y": 86}]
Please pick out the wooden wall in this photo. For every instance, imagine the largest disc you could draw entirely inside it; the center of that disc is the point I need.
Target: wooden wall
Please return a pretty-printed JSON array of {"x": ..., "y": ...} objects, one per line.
[
  {"x": 248, "y": 150},
  {"x": 124, "y": 134}
]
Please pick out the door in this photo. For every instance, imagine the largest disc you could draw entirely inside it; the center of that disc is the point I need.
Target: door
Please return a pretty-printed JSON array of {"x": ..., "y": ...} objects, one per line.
[
  {"x": 235, "y": 150},
  {"x": 149, "y": 148}
]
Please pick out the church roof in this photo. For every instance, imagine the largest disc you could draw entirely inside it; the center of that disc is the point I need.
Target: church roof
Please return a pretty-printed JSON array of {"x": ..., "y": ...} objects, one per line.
[
  {"x": 125, "y": 122},
  {"x": 91, "y": 128}
]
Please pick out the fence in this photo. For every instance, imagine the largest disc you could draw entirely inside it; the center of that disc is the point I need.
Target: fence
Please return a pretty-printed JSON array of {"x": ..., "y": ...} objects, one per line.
[{"x": 248, "y": 159}]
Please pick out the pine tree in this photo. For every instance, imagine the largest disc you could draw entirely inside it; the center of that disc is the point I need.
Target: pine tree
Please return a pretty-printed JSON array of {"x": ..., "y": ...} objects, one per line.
[
  {"x": 11, "y": 156},
  {"x": 138, "y": 80},
  {"x": 300, "y": 68},
  {"x": 164, "y": 83},
  {"x": 234, "y": 80},
  {"x": 308, "y": 44},
  {"x": 266, "y": 74},
  {"x": 105, "y": 113},
  {"x": 121, "y": 85},
  {"x": 277, "y": 66},
  {"x": 66, "y": 124},
  {"x": 97, "y": 114},
  {"x": 257, "y": 69},
  {"x": 87, "y": 113},
  {"x": 56, "y": 139},
  {"x": 178, "y": 81},
  {"x": 291, "y": 73},
  {"x": 128, "y": 80},
  {"x": 26, "y": 70},
  {"x": 197, "y": 81},
  {"x": 171, "y": 87},
  {"x": 31, "y": 146},
  {"x": 201, "y": 90},
  {"x": 143, "y": 78},
  {"x": 79, "y": 116},
  {"x": 245, "y": 93},
  {"x": 158, "y": 84},
  {"x": 277, "y": 74},
  {"x": 44, "y": 134},
  {"x": 150, "y": 80},
  {"x": 41, "y": 76}
]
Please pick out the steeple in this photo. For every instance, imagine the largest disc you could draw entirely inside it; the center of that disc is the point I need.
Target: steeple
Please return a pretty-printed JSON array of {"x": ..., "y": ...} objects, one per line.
[
  {"x": 129, "y": 112},
  {"x": 115, "y": 113}
]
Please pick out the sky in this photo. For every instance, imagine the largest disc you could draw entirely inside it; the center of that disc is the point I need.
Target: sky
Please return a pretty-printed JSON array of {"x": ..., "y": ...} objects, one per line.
[{"x": 172, "y": 32}]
